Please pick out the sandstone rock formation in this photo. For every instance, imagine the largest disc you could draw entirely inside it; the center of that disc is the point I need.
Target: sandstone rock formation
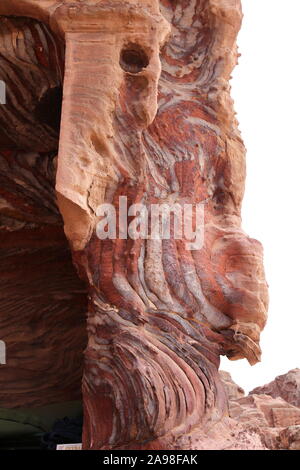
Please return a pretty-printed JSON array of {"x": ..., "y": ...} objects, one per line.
[
  {"x": 146, "y": 115},
  {"x": 274, "y": 419},
  {"x": 233, "y": 390},
  {"x": 42, "y": 302},
  {"x": 286, "y": 386},
  {"x": 289, "y": 438}
]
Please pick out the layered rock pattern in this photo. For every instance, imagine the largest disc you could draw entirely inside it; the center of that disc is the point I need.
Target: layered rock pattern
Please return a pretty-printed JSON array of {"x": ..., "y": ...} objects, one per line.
[
  {"x": 276, "y": 420},
  {"x": 42, "y": 302},
  {"x": 147, "y": 114},
  {"x": 161, "y": 315},
  {"x": 31, "y": 64},
  {"x": 42, "y": 319}
]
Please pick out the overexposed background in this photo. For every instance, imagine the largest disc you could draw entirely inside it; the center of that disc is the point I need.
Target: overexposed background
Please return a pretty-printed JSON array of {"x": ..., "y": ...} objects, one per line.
[{"x": 266, "y": 90}]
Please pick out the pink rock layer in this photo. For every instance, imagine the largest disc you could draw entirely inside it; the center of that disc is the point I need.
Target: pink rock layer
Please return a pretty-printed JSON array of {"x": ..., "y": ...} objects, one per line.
[
  {"x": 286, "y": 386},
  {"x": 274, "y": 419}
]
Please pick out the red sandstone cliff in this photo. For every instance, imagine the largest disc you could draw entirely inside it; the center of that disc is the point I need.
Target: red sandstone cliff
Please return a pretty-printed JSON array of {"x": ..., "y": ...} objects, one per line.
[{"x": 146, "y": 114}]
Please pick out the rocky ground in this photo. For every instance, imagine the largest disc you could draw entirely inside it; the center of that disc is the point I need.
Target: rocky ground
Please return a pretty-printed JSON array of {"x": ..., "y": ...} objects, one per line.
[{"x": 272, "y": 411}]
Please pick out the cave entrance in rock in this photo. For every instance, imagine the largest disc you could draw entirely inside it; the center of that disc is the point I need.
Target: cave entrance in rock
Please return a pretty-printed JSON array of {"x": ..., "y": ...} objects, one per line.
[{"x": 42, "y": 300}]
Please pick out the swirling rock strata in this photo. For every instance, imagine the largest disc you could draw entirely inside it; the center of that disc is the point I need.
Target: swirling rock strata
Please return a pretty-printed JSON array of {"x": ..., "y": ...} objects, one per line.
[
  {"x": 42, "y": 319},
  {"x": 147, "y": 115},
  {"x": 160, "y": 315},
  {"x": 42, "y": 301}
]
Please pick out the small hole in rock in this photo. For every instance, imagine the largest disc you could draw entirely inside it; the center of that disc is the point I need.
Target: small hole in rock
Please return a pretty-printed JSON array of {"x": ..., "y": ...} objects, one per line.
[{"x": 133, "y": 58}]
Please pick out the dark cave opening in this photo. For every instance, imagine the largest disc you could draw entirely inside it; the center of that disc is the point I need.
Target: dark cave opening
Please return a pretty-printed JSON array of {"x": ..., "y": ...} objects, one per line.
[{"x": 48, "y": 110}]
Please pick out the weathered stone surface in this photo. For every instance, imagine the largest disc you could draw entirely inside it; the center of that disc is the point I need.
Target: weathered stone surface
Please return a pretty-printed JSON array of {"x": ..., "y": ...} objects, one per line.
[
  {"x": 42, "y": 319},
  {"x": 274, "y": 419},
  {"x": 151, "y": 317},
  {"x": 233, "y": 390},
  {"x": 289, "y": 438},
  {"x": 42, "y": 302},
  {"x": 147, "y": 114},
  {"x": 273, "y": 412},
  {"x": 31, "y": 65},
  {"x": 227, "y": 434},
  {"x": 286, "y": 386}
]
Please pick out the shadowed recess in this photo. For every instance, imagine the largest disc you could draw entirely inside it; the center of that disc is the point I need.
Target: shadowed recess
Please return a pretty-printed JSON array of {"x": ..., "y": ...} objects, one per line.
[{"x": 133, "y": 58}]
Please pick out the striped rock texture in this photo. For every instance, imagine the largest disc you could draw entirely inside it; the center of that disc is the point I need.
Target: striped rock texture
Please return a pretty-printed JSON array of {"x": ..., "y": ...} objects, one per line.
[
  {"x": 147, "y": 115},
  {"x": 42, "y": 301}
]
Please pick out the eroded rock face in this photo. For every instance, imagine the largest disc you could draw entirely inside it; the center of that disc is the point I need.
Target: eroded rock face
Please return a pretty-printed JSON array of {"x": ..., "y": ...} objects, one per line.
[
  {"x": 42, "y": 301},
  {"x": 273, "y": 418},
  {"x": 147, "y": 115},
  {"x": 273, "y": 412},
  {"x": 233, "y": 390},
  {"x": 286, "y": 386},
  {"x": 290, "y": 438},
  {"x": 157, "y": 310}
]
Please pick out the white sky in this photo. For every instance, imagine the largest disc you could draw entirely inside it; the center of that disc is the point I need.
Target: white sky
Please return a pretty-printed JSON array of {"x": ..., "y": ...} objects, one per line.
[{"x": 266, "y": 90}]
